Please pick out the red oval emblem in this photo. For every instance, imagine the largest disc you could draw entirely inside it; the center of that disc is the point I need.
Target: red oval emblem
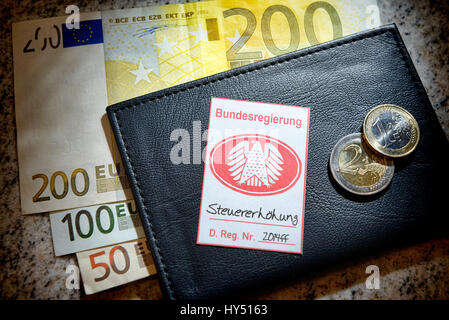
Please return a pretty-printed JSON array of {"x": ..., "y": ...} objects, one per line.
[{"x": 256, "y": 165}]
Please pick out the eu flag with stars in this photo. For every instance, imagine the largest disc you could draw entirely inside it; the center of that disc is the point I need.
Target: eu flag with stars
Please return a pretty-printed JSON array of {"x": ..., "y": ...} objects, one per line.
[{"x": 89, "y": 32}]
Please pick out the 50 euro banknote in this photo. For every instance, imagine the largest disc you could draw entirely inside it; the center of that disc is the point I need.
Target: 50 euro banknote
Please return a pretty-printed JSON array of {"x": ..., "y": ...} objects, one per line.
[{"x": 111, "y": 266}]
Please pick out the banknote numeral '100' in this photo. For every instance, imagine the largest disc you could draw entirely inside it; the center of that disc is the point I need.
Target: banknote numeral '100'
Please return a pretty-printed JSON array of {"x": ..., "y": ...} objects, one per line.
[
  {"x": 68, "y": 218},
  {"x": 65, "y": 182},
  {"x": 105, "y": 266},
  {"x": 267, "y": 35}
]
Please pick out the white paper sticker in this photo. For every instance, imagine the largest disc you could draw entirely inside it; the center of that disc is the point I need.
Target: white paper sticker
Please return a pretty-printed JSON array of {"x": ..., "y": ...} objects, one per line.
[{"x": 254, "y": 180}]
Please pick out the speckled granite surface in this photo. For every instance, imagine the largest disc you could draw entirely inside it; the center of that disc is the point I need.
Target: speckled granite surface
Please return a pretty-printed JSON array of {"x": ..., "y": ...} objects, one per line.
[{"x": 29, "y": 270}]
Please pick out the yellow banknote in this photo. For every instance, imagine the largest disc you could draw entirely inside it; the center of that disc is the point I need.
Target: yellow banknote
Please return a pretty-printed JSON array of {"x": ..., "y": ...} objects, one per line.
[
  {"x": 260, "y": 29},
  {"x": 152, "y": 48},
  {"x": 149, "y": 49}
]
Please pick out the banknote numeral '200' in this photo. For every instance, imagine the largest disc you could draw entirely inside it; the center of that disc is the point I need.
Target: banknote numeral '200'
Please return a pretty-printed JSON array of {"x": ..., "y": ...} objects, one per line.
[
  {"x": 267, "y": 35},
  {"x": 65, "y": 183},
  {"x": 105, "y": 266},
  {"x": 55, "y": 45},
  {"x": 251, "y": 22}
]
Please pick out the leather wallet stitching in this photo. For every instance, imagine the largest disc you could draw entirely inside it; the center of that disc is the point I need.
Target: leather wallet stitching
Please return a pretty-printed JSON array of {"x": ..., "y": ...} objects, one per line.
[
  {"x": 267, "y": 64},
  {"x": 221, "y": 78},
  {"x": 156, "y": 242}
]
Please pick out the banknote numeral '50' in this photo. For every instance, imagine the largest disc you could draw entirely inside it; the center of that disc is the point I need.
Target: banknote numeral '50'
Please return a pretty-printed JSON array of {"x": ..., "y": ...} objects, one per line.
[
  {"x": 105, "y": 266},
  {"x": 65, "y": 185}
]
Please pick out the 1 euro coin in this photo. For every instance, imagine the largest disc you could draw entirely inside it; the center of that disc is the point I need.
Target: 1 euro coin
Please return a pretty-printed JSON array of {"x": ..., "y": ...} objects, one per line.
[{"x": 391, "y": 131}]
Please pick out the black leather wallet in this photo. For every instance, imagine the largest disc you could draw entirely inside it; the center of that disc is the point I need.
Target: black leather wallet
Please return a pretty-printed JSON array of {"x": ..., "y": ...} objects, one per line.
[{"x": 340, "y": 81}]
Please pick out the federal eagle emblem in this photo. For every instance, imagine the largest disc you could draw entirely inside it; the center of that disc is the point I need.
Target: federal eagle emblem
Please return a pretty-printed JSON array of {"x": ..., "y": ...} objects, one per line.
[{"x": 255, "y": 166}]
